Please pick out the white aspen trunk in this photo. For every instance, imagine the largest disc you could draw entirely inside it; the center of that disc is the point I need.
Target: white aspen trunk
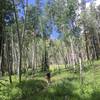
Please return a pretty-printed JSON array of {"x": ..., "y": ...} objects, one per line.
[
  {"x": 80, "y": 64},
  {"x": 68, "y": 59},
  {"x": 72, "y": 53},
  {"x": 13, "y": 58},
  {"x": 32, "y": 57}
]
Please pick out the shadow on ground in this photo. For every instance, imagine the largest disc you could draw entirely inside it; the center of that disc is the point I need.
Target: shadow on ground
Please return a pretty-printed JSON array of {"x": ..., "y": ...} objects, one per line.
[
  {"x": 62, "y": 90},
  {"x": 30, "y": 88}
]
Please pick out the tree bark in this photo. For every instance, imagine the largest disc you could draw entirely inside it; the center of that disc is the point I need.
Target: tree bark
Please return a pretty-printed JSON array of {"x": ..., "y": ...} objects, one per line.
[
  {"x": 19, "y": 41},
  {"x": 9, "y": 57}
]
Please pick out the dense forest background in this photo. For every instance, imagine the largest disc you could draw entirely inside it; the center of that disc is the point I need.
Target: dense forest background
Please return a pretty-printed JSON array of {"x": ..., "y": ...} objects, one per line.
[{"x": 60, "y": 36}]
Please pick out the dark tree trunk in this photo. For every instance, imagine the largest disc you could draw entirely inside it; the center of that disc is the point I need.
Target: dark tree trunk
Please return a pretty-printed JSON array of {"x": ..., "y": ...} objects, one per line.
[
  {"x": 97, "y": 49},
  {"x": 9, "y": 57},
  {"x": 45, "y": 63},
  {"x": 87, "y": 48},
  {"x": 1, "y": 44},
  {"x": 2, "y": 51},
  {"x": 2, "y": 62}
]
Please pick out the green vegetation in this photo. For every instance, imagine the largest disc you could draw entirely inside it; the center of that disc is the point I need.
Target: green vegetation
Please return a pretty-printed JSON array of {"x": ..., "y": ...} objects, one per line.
[
  {"x": 65, "y": 85},
  {"x": 49, "y": 50}
]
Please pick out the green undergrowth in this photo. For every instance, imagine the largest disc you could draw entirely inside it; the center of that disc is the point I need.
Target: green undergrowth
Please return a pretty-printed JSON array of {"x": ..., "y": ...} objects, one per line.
[{"x": 64, "y": 86}]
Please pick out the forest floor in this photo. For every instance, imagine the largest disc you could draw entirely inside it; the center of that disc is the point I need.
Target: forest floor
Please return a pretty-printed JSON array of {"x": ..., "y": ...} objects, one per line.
[{"x": 65, "y": 85}]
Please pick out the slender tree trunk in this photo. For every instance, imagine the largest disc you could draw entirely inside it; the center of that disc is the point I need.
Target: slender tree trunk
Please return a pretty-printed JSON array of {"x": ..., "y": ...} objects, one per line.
[
  {"x": 81, "y": 73},
  {"x": 45, "y": 57},
  {"x": 36, "y": 55},
  {"x": 9, "y": 59},
  {"x": 1, "y": 44},
  {"x": 73, "y": 54},
  {"x": 2, "y": 52},
  {"x": 19, "y": 41},
  {"x": 33, "y": 54}
]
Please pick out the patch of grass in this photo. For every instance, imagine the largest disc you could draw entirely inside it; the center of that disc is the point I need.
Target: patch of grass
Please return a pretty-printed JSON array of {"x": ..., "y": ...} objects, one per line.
[
  {"x": 64, "y": 86},
  {"x": 56, "y": 67},
  {"x": 22, "y": 91},
  {"x": 31, "y": 87}
]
